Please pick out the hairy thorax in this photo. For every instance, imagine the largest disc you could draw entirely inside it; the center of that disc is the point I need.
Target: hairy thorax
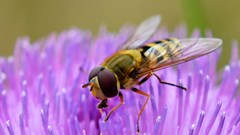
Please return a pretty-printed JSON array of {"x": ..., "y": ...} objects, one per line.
[{"x": 124, "y": 64}]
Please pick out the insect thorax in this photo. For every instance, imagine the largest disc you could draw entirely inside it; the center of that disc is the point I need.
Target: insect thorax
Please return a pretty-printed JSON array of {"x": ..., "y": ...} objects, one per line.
[{"x": 124, "y": 64}]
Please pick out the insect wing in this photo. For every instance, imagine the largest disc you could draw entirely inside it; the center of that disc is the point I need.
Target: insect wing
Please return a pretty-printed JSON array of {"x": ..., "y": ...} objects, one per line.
[
  {"x": 187, "y": 50},
  {"x": 143, "y": 32},
  {"x": 194, "y": 48}
]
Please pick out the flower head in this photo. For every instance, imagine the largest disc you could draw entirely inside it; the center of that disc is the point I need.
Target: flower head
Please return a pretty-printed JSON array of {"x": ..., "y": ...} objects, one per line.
[{"x": 41, "y": 93}]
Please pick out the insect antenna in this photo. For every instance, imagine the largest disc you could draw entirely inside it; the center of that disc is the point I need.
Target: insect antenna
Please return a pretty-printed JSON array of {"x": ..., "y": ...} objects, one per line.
[{"x": 88, "y": 84}]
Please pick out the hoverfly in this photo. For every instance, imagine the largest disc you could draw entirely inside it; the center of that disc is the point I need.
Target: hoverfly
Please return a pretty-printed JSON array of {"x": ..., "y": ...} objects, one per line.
[{"x": 135, "y": 63}]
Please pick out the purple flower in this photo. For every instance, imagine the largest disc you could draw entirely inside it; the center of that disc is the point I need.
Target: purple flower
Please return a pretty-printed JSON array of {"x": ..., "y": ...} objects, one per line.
[{"x": 41, "y": 93}]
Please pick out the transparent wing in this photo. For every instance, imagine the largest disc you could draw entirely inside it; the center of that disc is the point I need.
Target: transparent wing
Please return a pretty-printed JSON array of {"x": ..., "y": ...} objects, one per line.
[
  {"x": 187, "y": 50},
  {"x": 143, "y": 32}
]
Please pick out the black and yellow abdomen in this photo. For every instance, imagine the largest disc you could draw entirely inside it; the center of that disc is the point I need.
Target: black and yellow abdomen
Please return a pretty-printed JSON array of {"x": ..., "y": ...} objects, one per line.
[{"x": 160, "y": 50}]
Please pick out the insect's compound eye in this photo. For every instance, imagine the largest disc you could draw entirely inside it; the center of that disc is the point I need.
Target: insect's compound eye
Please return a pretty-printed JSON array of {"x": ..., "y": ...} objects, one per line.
[
  {"x": 108, "y": 83},
  {"x": 95, "y": 71}
]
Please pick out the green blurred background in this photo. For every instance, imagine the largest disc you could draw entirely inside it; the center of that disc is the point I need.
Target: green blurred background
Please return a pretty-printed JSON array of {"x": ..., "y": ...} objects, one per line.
[{"x": 39, "y": 18}]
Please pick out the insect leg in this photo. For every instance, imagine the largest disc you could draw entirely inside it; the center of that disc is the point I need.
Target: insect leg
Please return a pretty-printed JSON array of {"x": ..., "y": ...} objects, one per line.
[
  {"x": 100, "y": 110},
  {"x": 144, "y": 94},
  {"x": 144, "y": 79},
  {"x": 116, "y": 107},
  {"x": 175, "y": 85}
]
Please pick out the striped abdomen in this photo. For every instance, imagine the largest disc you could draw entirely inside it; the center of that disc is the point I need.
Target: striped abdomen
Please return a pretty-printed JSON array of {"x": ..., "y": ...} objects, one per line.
[{"x": 160, "y": 50}]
